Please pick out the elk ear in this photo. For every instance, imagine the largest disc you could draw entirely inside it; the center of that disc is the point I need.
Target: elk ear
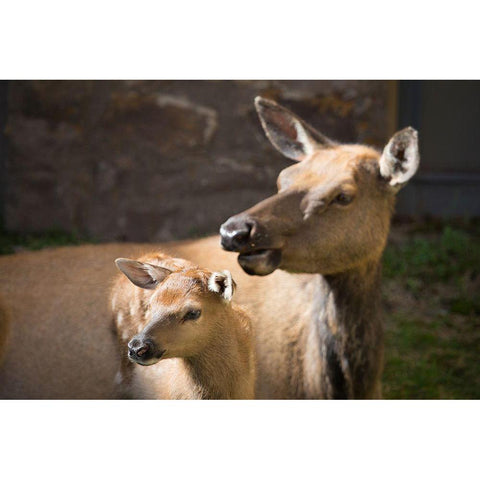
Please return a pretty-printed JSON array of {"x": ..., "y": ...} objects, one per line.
[
  {"x": 400, "y": 158},
  {"x": 290, "y": 135},
  {"x": 223, "y": 284},
  {"x": 143, "y": 275}
]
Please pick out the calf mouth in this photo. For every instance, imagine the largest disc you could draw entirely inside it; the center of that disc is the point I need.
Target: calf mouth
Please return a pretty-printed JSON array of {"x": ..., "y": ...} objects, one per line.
[
  {"x": 144, "y": 363},
  {"x": 260, "y": 262}
]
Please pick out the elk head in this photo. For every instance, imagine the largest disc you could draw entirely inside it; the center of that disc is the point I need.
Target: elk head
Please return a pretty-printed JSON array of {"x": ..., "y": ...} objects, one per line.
[
  {"x": 334, "y": 204},
  {"x": 181, "y": 309}
]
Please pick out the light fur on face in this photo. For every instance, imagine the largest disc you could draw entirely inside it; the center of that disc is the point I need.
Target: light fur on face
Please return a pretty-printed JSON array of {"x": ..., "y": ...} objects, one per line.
[{"x": 209, "y": 354}]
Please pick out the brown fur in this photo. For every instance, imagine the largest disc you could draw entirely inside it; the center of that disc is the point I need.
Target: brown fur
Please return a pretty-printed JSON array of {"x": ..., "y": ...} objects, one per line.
[
  {"x": 209, "y": 358},
  {"x": 317, "y": 334},
  {"x": 331, "y": 216},
  {"x": 335, "y": 349}
]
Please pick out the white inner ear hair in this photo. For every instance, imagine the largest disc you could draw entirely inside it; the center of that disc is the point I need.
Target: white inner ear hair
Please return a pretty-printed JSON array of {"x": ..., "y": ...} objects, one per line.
[
  {"x": 303, "y": 138},
  {"x": 222, "y": 282},
  {"x": 399, "y": 171},
  {"x": 408, "y": 166}
]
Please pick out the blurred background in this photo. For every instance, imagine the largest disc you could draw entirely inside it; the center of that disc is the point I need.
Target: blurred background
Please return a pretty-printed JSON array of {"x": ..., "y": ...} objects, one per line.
[{"x": 94, "y": 161}]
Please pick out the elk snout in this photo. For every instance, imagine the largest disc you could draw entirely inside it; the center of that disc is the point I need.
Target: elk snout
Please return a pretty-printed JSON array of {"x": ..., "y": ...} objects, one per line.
[
  {"x": 236, "y": 233},
  {"x": 141, "y": 350}
]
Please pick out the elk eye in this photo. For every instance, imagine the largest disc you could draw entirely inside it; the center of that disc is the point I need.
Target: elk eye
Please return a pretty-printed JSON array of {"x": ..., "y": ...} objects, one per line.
[
  {"x": 343, "y": 199},
  {"x": 192, "y": 314}
]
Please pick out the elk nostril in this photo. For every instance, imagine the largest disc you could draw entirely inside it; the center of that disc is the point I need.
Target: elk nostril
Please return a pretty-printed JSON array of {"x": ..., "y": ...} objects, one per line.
[
  {"x": 139, "y": 348},
  {"x": 235, "y": 235},
  {"x": 133, "y": 343},
  {"x": 241, "y": 237},
  {"x": 142, "y": 350}
]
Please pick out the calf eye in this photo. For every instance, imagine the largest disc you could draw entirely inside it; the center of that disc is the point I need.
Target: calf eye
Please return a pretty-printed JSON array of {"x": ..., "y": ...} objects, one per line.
[
  {"x": 192, "y": 314},
  {"x": 343, "y": 199}
]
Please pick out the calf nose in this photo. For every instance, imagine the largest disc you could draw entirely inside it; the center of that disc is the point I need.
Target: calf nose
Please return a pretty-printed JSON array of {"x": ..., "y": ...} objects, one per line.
[
  {"x": 139, "y": 348},
  {"x": 235, "y": 233}
]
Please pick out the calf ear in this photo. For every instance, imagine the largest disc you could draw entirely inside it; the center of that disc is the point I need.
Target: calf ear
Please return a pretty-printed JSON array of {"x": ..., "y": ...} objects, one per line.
[
  {"x": 143, "y": 275},
  {"x": 290, "y": 135},
  {"x": 223, "y": 284},
  {"x": 400, "y": 158}
]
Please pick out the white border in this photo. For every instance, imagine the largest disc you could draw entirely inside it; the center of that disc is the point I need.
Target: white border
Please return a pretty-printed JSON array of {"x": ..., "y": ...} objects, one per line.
[
  {"x": 221, "y": 439},
  {"x": 212, "y": 39},
  {"x": 243, "y": 40}
]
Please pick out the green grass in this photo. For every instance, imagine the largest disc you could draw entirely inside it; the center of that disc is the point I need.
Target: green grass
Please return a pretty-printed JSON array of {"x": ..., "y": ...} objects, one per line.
[
  {"x": 11, "y": 242},
  {"x": 447, "y": 255},
  {"x": 431, "y": 361},
  {"x": 432, "y": 300}
]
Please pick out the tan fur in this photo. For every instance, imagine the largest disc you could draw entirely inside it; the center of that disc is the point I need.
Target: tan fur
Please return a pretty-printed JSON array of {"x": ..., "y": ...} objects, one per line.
[
  {"x": 209, "y": 358},
  {"x": 62, "y": 346},
  {"x": 339, "y": 237}
]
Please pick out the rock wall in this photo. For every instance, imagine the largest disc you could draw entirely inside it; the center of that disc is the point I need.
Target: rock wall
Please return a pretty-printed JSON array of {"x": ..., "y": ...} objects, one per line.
[{"x": 158, "y": 160}]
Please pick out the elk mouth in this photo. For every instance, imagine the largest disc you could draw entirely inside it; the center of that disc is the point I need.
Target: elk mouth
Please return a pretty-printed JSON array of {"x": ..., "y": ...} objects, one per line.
[
  {"x": 144, "y": 363},
  {"x": 260, "y": 262},
  {"x": 160, "y": 354}
]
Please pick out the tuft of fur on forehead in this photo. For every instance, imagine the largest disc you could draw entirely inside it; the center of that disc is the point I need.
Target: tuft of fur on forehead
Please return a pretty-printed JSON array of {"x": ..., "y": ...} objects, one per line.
[
  {"x": 188, "y": 280},
  {"x": 166, "y": 261},
  {"x": 186, "y": 275},
  {"x": 331, "y": 167}
]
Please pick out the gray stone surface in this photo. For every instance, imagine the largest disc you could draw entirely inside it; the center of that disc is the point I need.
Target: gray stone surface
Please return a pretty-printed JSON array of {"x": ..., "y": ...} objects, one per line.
[{"x": 158, "y": 160}]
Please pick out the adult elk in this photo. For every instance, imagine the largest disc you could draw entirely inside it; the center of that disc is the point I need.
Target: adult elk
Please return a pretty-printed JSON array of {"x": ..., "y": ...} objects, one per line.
[
  {"x": 318, "y": 334},
  {"x": 331, "y": 216}
]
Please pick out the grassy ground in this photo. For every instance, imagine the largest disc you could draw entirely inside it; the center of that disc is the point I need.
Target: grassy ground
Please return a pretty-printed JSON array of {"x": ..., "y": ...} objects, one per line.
[
  {"x": 432, "y": 309},
  {"x": 16, "y": 242},
  {"x": 431, "y": 293}
]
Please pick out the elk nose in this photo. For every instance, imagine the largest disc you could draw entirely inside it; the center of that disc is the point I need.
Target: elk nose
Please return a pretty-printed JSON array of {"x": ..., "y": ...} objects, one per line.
[
  {"x": 139, "y": 348},
  {"x": 235, "y": 233}
]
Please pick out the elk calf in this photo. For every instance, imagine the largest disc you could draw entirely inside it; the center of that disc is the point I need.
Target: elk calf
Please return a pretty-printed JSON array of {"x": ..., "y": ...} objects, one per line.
[{"x": 168, "y": 309}]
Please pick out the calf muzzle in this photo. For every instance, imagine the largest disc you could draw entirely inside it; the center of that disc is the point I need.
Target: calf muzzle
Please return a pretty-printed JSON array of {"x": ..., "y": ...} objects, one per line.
[{"x": 140, "y": 350}]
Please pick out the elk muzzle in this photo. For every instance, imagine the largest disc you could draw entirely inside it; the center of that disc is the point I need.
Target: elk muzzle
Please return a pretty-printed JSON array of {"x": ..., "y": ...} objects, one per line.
[
  {"x": 244, "y": 235},
  {"x": 236, "y": 233},
  {"x": 144, "y": 351}
]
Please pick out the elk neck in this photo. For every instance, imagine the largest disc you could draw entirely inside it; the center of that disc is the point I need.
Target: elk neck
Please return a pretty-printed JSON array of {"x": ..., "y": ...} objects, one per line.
[
  {"x": 346, "y": 333},
  {"x": 217, "y": 368}
]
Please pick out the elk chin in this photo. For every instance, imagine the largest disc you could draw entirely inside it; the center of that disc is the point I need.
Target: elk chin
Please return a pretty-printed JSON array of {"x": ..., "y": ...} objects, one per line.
[{"x": 260, "y": 262}]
